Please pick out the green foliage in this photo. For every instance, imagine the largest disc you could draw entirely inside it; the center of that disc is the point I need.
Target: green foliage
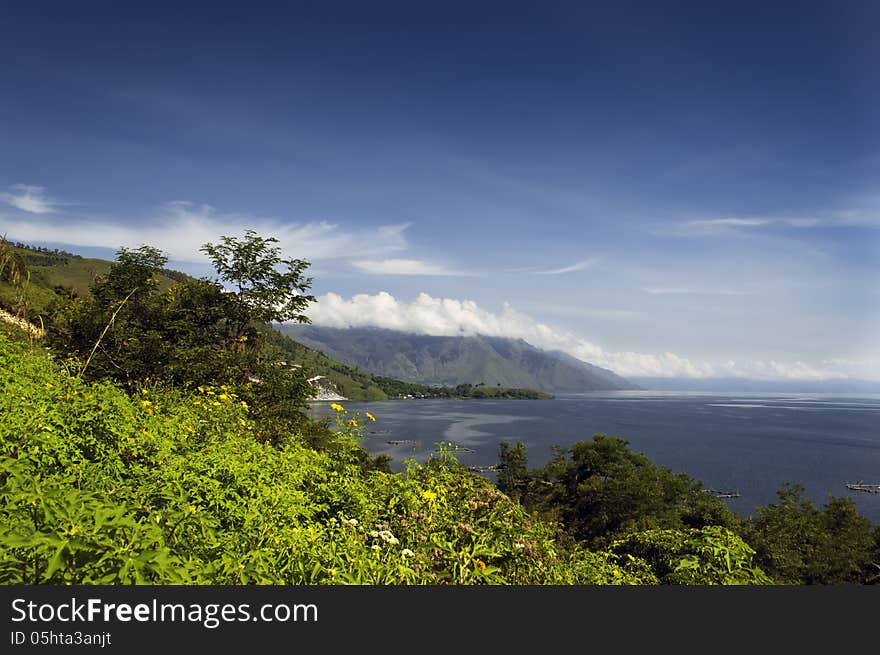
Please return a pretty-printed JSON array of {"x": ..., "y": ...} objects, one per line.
[
  {"x": 606, "y": 496},
  {"x": 134, "y": 275},
  {"x": 54, "y": 277},
  {"x": 797, "y": 543},
  {"x": 509, "y": 393},
  {"x": 712, "y": 555},
  {"x": 16, "y": 289},
  {"x": 262, "y": 293},
  {"x": 170, "y": 487},
  {"x": 192, "y": 332},
  {"x": 400, "y": 389},
  {"x": 513, "y": 472},
  {"x": 600, "y": 489},
  {"x": 345, "y": 380},
  {"x": 57, "y": 534}
]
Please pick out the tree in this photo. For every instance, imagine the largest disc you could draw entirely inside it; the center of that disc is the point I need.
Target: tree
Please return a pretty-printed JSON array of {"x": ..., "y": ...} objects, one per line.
[
  {"x": 134, "y": 275},
  {"x": 601, "y": 489},
  {"x": 196, "y": 332},
  {"x": 513, "y": 469},
  {"x": 798, "y": 543},
  {"x": 262, "y": 293},
  {"x": 116, "y": 330}
]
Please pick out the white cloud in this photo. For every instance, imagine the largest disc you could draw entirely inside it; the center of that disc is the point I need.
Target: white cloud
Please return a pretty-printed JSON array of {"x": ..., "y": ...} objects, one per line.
[
  {"x": 181, "y": 228},
  {"x": 579, "y": 266},
  {"x": 29, "y": 198},
  {"x": 451, "y": 317},
  {"x": 867, "y": 368},
  {"x": 789, "y": 370},
  {"x": 424, "y": 315},
  {"x": 402, "y": 267}
]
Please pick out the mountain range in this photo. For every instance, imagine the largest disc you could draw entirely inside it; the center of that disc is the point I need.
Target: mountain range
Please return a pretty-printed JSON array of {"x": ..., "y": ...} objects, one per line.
[{"x": 453, "y": 360}]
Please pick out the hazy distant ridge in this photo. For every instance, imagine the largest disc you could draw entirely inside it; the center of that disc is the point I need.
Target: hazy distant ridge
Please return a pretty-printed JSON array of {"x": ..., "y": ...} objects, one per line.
[{"x": 746, "y": 385}]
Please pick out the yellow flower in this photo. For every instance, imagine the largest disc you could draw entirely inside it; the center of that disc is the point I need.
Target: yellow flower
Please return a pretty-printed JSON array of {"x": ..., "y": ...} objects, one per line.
[
  {"x": 223, "y": 396},
  {"x": 429, "y": 495},
  {"x": 146, "y": 403},
  {"x": 337, "y": 407},
  {"x": 48, "y": 385},
  {"x": 481, "y": 565},
  {"x": 352, "y": 422},
  {"x": 369, "y": 416},
  {"x": 244, "y": 404}
]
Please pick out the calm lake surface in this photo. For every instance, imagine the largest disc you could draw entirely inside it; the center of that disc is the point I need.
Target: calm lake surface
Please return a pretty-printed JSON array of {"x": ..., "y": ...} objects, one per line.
[{"x": 748, "y": 443}]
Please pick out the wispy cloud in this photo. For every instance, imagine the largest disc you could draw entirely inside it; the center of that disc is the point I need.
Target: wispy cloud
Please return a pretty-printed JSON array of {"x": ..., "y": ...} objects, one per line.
[
  {"x": 726, "y": 225},
  {"x": 403, "y": 267},
  {"x": 580, "y": 311},
  {"x": 730, "y": 222},
  {"x": 579, "y": 266},
  {"x": 28, "y": 198},
  {"x": 180, "y": 228},
  {"x": 693, "y": 291},
  {"x": 452, "y": 317}
]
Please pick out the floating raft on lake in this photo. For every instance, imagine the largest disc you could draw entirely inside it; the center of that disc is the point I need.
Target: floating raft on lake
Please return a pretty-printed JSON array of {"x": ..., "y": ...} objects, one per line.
[
  {"x": 491, "y": 468},
  {"x": 722, "y": 494},
  {"x": 863, "y": 486}
]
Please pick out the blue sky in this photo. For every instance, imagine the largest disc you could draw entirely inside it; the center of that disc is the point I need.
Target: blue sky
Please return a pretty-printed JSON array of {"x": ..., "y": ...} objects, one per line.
[{"x": 685, "y": 189}]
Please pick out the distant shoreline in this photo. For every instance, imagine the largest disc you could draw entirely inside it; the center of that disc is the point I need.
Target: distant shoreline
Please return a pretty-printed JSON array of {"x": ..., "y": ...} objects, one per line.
[{"x": 539, "y": 395}]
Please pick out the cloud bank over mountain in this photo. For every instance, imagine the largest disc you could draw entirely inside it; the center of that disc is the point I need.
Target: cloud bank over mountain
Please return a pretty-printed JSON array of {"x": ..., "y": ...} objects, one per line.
[{"x": 452, "y": 317}]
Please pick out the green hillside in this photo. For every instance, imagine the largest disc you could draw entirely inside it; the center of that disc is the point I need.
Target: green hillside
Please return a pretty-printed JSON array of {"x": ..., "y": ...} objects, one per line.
[{"x": 48, "y": 277}]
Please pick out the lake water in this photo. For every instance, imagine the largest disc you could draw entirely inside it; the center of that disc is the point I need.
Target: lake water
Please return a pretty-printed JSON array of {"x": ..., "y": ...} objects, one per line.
[{"x": 748, "y": 443}]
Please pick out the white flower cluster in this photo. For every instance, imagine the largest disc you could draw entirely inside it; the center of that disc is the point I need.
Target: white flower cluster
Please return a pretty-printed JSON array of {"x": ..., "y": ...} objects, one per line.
[{"x": 385, "y": 535}]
